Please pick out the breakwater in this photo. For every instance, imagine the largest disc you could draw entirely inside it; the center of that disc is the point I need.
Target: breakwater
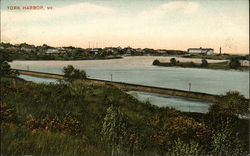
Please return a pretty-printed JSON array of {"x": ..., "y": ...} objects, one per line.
[{"x": 129, "y": 87}]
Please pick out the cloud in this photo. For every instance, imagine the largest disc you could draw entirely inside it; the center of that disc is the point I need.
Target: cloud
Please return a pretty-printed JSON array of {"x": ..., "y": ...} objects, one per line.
[
  {"x": 184, "y": 6},
  {"x": 177, "y": 6}
]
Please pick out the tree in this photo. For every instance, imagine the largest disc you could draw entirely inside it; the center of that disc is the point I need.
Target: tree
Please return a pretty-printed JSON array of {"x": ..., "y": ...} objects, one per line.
[
  {"x": 156, "y": 62},
  {"x": 70, "y": 73},
  {"x": 233, "y": 103},
  {"x": 114, "y": 129},
  {"x": 204, "y": 63},
  {"x": 173, "y": 61},
  {"x": 5, "y": 69},
  {"x": 234, "y": 63}
]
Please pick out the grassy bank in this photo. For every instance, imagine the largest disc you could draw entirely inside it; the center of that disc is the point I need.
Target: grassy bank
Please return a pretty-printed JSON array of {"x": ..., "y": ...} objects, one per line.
[
  {"x": 70, "y": 119},
  {"x": 218, "y": 65},
  {"x": 217, "y": 56}
]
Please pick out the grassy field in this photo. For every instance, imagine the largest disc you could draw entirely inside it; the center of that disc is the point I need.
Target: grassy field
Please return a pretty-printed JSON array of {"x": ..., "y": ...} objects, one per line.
[{"x": 68, "y": 119}]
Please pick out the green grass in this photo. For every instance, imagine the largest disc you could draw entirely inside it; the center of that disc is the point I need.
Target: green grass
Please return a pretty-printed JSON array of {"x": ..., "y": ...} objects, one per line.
[
  {"x": 88, "y": 104},
  {"x": 21, "y": 141},
  {"x": 17, "y": 80}
]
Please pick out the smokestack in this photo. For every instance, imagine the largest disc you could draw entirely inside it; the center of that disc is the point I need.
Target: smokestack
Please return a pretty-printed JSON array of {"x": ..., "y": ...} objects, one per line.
[{"x": 220, "y": 50}]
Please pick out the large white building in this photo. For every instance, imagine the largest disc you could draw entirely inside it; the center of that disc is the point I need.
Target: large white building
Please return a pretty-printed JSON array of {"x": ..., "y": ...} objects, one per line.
[{"x": 207, "y": 51}]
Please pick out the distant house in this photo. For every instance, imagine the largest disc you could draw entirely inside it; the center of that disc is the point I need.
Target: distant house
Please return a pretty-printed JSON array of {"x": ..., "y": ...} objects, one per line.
[
  {"x": 139, "y": 50},
  {"x": 94, "y": 50},
  {"x": 128, "y": 50},
  {"x": 244, "y": 63},
  {"x": 52, "y": 51},
  {"x": 27, "y": 49},
  {"x": 207, "y": 51},
  {"x": 162, "y": 51},
  {"x": 12, "y": 48},
  {"x": 109, "y": 49}
]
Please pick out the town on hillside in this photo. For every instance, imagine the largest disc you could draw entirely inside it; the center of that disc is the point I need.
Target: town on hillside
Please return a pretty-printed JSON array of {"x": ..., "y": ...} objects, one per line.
[{"x": 26, "y": 51}]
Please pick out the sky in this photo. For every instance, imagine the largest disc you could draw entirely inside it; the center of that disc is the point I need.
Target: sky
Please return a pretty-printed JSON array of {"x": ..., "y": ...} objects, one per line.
[{"x": 157, "y": 24}]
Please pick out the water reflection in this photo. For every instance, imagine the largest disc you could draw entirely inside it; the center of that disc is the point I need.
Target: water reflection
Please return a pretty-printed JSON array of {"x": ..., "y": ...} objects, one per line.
[{"x": 179, "y": 103}]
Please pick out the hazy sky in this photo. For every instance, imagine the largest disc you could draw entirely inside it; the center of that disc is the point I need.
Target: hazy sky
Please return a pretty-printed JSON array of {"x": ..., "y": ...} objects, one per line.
[{"x": 154, "y": 24}]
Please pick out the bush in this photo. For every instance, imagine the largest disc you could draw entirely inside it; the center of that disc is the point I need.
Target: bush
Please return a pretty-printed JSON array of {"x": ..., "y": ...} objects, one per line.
[
  {"x": 234, "y": 63},
  {"x": 70, "y": 73},
  {"x": 233, "y": 103},
  {"x": 156, "y": 62},
  {"x": 181, "y": 148},
  {"x": 225, "y": 141},
  {"x": 173, "y": 61},
  {"x": 69, "y": 124},
  {"x": 204, "y": 63},
  {"x": 7, "y": 114}
]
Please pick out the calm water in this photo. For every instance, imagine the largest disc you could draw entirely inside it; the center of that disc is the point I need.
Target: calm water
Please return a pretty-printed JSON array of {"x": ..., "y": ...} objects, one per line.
[
  {"x": 138, "y": 70},
  {"x": 182, "y": 104}
]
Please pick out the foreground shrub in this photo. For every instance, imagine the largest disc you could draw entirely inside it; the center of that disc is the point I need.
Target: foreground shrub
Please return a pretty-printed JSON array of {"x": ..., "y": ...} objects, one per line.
[
  {"x": 233, "y": 103},
  {"x": 7, "y": 114},
  {"x": 69, "y": 124},
  {"x": 225, "y": 141},
  {"x": 189, "y": 149}
]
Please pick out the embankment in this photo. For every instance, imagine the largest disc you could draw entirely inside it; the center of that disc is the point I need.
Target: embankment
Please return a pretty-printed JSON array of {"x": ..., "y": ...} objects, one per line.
[{"x": 136, "y": 87}]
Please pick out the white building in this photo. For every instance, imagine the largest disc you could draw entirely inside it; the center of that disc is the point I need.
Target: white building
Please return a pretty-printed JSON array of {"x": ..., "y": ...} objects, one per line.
[
  {"x": 207, "y": 51},
  {"x": 95, "y": 51},
  {"x": 52, "y": 51},
  {"x": 27, "y": 49},
  {"x": 244, "y": 63}
]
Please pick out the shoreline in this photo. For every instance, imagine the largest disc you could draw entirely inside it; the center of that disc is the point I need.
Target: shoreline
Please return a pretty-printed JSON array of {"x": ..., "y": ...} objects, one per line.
[
  {"x": 240, "y": 70},
  {"x": 212, "y": 66},
  {"x": 118, "y": 57}
]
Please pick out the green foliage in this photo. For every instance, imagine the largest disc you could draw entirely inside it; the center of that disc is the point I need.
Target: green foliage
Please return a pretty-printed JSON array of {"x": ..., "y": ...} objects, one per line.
[
  {"x": 173, "y": 61},
  {"x": 234, "y": 63},
  {"x": 114, "y": 129},
  {"x": 70, "y": 73},
  {"x": 21, "y": 141},
  {"x": 5, "y": 69},
  {"x": 8, "y": 114},
  {"x": 204, "y": 63},
  {"x": 192, "y": 64},
  {"x": 181, "y": 148},
  {"x": 225, "y": 141},
  {"x": 233, "y": 103},
  {"x": 5, "y": 56},
  {"x": 156, "y": 62},
  {"x": 127, "y": 126}
]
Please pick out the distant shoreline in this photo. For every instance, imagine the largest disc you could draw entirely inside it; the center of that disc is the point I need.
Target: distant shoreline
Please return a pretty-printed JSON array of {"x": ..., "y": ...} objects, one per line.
[
  {"x": 108, "y": 58},
  {"x": 213, "y": 66}
]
